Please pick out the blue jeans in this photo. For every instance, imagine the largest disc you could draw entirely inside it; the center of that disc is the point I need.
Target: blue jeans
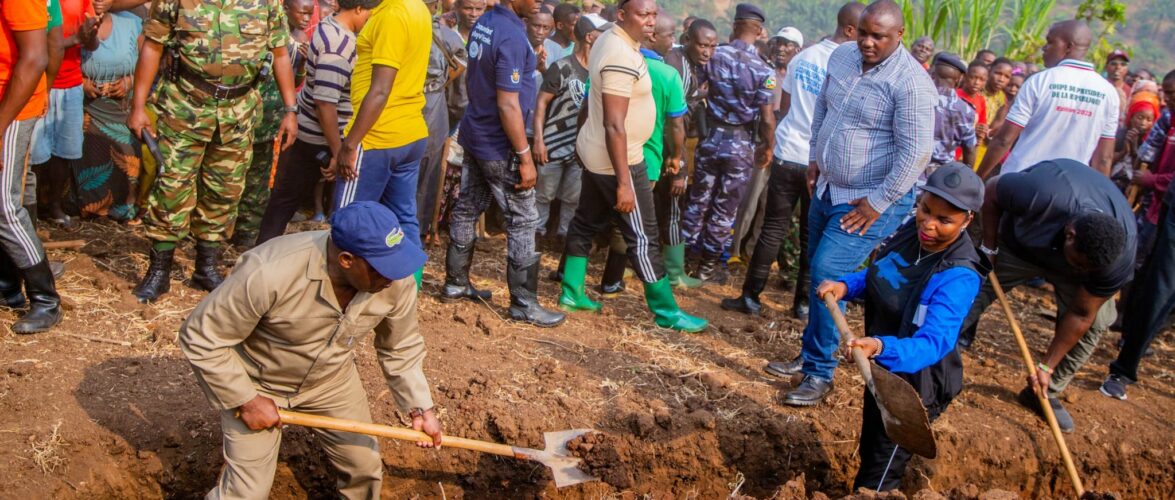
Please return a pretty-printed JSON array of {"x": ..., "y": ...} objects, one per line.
[
  {"x": 59, "y": 132},
  {"x": 836, "y": 253},
  {"x": 388, "y": 176}
]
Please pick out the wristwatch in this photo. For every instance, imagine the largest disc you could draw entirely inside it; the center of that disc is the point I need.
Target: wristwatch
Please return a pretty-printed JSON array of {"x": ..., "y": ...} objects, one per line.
[
  {"x": 291, "y": 109},
  {"x": 990, "y": 252}
]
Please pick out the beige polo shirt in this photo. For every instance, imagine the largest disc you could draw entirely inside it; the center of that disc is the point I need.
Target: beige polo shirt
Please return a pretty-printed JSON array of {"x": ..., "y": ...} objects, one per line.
[
  {"x": 274, "y": 326},
  {"x": 616, "y": 67}
]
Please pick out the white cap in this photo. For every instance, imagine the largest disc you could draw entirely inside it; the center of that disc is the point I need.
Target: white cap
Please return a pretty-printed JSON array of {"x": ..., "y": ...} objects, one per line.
[
  {"x": 791, "y": 34},
  {"x": 598, "y": 22}
]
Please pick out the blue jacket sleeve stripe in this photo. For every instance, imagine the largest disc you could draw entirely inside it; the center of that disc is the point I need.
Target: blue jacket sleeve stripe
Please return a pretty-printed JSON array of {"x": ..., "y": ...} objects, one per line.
[{"x": 947, "y": 298}]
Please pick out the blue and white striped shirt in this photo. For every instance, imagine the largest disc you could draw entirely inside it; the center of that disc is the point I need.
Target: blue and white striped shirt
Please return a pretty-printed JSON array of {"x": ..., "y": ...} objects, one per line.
[
  {"x": 328, "y": 79},
  {"x": 872, "y": 132}
]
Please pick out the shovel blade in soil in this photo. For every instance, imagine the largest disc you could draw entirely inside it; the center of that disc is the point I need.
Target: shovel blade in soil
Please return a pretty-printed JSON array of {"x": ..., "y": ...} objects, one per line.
[
  {"x": 905, "y": 419},
  {"x": 564, "y": 467}
]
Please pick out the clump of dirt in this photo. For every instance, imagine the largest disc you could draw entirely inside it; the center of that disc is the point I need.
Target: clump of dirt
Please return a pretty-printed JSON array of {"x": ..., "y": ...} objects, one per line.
[{"x": 605, "y": 457}]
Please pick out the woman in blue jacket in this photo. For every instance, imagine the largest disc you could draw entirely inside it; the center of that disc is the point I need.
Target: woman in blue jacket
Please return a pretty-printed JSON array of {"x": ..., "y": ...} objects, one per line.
[{"x": 917, "y": 292}]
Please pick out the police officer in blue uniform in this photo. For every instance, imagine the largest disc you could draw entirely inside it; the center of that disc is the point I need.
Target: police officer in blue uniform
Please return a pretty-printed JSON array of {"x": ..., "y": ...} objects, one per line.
[{"x": 741, "y": 85}]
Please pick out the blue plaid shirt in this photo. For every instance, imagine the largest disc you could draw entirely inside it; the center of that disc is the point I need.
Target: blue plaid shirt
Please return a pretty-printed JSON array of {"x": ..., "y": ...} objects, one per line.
[
  {"x": 1148, "y": 151},
  {"x": 872, "y": 132}
]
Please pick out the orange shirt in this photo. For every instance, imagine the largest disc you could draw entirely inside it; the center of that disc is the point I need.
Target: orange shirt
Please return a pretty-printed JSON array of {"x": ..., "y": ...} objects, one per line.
[{"x": 21, "y": 15}]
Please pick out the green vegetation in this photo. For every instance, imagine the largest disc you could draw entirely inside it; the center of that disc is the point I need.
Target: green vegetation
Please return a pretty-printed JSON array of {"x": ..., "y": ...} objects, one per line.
[{"x": 1016, "y": 28}]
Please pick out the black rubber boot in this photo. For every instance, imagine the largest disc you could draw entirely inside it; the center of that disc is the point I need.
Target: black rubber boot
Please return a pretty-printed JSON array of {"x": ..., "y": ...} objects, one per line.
[
  {"x": 711, "y": 270},
  {"x": 44, "y": 303},
  {"x": 157, "y": 280},
  {"x": 11, "y": 294},
  {"x": 748, "y": 302},
  {"x": 524, "y": 301},
  {"x": 207, "y": 275},
  {"x": 458, "y": 258},
  {"x": 612, "y": 283},
  {"x": 557, "y": 274}
]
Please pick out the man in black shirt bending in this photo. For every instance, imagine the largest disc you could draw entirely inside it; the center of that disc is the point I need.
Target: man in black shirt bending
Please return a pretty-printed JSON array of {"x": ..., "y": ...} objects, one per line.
[{"x": 1066, "y": 222}]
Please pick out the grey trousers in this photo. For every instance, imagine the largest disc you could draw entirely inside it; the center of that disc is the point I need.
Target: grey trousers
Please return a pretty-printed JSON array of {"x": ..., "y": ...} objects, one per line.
[
  {"x": 18, "y": 237},
  {"x": 1013, "y": 271},
  {"x": 436, "y": 115},
  {"x": 558, "y": 180},
  {"x": 749, "y": 221}
]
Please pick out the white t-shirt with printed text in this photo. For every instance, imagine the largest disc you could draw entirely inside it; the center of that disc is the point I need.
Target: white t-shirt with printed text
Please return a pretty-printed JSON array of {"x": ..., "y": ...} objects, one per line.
[
  {"x": 804, "y": 81},
  {"x": 1065, "y": 111}
]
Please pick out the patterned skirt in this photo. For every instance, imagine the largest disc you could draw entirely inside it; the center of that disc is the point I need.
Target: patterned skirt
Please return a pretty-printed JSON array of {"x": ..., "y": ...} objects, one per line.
[{"x": 106, "y": 179}]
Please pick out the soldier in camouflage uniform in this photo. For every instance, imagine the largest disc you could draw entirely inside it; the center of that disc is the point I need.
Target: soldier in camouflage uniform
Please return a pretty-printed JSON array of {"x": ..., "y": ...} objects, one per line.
[
  {"x": 740, "y": 95},
  {"x": 207, "y": 104},
  {"x": 256, "y": 195}
]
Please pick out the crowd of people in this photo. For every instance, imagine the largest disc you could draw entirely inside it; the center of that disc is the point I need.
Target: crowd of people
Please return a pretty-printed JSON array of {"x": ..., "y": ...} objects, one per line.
[{"x": 912, "y": 175}]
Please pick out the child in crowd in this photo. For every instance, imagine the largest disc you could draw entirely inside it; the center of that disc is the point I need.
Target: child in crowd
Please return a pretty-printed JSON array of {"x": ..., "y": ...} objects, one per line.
[
  {"x": 1013, "y": 87},
  {"x": 999, "y": 75},
  {"x": 971, "y": 90}
]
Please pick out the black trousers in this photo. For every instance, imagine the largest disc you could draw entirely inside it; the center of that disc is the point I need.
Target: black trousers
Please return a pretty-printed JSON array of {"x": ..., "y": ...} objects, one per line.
[
  {"x": 669, "y": 207},
  {"x": 299, "y": 170},
  {"x": 787, "y": 188},
  {"x": 1152, "y": 297},
  {"x": 596, "y": 214},
  {"x": 876, "y": 449}
]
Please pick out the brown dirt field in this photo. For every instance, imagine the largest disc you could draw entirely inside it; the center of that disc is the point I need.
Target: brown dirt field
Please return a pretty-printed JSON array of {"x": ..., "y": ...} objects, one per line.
[{"x": 686, "y": 416}]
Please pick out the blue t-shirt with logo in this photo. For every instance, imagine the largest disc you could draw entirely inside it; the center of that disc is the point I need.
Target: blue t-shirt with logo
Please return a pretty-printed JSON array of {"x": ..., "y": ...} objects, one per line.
[{"x": 500, "y": 58}]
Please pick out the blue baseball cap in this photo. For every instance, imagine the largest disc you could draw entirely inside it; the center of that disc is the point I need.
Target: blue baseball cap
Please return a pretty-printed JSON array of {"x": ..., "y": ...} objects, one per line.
[{"x": 370, "y": 230}]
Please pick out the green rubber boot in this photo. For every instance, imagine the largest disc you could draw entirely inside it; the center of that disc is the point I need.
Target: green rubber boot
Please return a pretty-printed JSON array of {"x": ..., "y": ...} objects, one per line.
[
  {"x": 573, "y": 297},
  {"x": 675, "y": 267},
  {"x": 659, "y": 296}
]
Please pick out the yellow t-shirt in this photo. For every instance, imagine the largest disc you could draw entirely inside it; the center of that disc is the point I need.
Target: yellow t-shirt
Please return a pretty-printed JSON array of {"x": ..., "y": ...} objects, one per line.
[
  {"x": 994, "y": 103},
  {"x": 398, "y": 35},
  {"x": 619, "y": 68}
]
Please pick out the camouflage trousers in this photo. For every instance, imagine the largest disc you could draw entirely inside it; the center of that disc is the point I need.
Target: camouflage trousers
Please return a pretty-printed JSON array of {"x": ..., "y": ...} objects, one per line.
[
  {"x": 256, "y": 195},
  {"x": 197, "y": 187},
  {"x": 722, "y": 170}
]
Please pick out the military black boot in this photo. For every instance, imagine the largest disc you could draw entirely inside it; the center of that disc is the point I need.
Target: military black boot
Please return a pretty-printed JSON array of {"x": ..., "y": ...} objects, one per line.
[
  {"x": 157, "y": 280},
  {"x": 524, "y": 300},
  {"x": 44, "y": 303},
  {"x": 748, "y": 302},
  {"x": 458, "y": 258},
  {"x": 206, "y": 276},
  {"x": 11, "y": 294},
  {"x": 711, "y": 270}
]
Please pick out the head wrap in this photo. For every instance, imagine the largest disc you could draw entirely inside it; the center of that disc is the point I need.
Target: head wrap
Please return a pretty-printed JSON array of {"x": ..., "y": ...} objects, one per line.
[{"x": 1142, "y": 101}]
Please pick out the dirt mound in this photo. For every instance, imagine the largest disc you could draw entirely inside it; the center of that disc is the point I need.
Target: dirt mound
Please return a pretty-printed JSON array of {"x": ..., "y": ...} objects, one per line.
[{"x": 605, "y": 457}]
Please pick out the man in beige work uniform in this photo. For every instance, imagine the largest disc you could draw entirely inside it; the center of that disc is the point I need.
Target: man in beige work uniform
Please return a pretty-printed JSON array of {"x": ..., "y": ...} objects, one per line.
[{"x": 280, "y": 332}]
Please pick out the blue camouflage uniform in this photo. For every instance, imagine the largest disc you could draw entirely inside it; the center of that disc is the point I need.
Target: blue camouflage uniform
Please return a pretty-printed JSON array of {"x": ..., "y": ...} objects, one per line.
[{"x": 740, "y": 82}]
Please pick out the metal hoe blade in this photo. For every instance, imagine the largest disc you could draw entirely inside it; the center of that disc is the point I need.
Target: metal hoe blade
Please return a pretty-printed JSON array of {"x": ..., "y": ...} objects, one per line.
[
  {"x": 905, "y": 418},
  {"x": 564, "y": 467}
]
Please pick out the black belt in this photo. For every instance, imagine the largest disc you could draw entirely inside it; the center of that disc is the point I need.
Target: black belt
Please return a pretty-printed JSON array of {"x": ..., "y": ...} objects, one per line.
[
  {"x": 213, "y": 90},
  {"x": 715, "y": 122}
]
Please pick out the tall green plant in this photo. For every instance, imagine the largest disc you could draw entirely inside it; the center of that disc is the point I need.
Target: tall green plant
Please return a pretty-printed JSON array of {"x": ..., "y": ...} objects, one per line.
[
  {"x": 960, "y": 26},
  {"x": 968, "y": 26},
  {"x": 1030, "y": 19}
]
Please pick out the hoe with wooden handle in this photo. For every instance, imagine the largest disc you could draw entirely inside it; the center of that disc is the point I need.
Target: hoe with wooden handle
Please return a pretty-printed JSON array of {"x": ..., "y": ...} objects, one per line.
[
  {"x": 564, "y": 467},
  {"x": 902, "y": 412},
  {"x": 1042, "y": 399}
]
